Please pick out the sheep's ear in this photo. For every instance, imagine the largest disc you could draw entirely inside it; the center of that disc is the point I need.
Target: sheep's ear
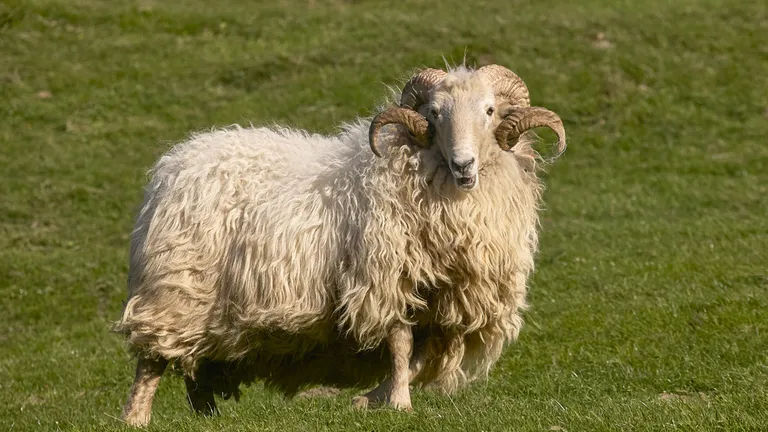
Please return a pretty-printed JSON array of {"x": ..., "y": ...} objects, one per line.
[
  {"x": 400, "y": 136},
  {"x": 408, "y": 138},
  {"x": 527, "y": 163},
  {"x": 525, "y": 156}
]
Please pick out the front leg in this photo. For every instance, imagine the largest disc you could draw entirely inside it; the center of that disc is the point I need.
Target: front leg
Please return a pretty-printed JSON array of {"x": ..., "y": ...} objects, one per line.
[
  {"x": 394, "y": 390},
  {"x": 400, "y": 342}
]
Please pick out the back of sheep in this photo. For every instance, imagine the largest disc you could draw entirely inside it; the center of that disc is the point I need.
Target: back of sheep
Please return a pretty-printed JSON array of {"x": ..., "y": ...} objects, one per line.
[{"x": 234, "y": 233}]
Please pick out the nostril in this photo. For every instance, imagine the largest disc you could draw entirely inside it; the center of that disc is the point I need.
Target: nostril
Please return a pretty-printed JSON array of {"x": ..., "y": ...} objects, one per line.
[{"x": 463, "y": 165}]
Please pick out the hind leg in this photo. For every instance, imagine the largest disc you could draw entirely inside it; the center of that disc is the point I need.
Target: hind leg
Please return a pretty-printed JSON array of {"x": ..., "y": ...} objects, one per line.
[
  {"x": 200, "y": 395},
  {"x": 138, "y": 407}
]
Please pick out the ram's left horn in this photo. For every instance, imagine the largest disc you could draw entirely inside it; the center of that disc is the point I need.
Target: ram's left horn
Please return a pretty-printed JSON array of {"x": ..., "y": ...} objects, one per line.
[{"x": 517, "y": 120}]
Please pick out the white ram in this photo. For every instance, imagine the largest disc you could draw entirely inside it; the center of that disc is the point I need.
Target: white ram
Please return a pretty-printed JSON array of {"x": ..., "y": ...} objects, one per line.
[{"x": 303, "y": 259}]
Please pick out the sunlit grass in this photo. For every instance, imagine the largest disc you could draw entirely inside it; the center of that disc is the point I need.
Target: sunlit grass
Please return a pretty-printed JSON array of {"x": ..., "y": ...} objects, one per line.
[{"x": 649, "y": 304}]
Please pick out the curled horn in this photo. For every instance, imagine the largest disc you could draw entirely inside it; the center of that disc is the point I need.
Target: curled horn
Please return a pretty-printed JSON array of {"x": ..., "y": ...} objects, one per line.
[
  {"x": 415, "y": 94},
  {"x": 506, "y": 84},
  {"x": 520, "y": 119},
  {"x": 416, "y": 91},
  {"x": 416, "y": 123},
  {"x": 516, "y": 112}
]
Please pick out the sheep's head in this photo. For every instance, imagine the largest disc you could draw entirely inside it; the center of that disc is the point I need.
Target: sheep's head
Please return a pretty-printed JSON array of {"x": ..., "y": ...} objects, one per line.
[{"x": 467, "y": 114}]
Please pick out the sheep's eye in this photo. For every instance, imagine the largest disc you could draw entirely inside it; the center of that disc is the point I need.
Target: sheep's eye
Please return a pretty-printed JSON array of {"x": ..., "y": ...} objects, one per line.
[
  {"x": 433, "y": 112},
  {"x": 490, "y": 111}
]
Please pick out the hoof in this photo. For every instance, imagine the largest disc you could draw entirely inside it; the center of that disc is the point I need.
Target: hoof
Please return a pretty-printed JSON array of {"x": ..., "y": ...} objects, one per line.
[
  {"x": 401, "y": 403},
  {"x": 136, "y": 421},
  {"x": 360, "y": 402},
  {"x": 403, "y": 407},
  {"x": 364, "y": 402}
]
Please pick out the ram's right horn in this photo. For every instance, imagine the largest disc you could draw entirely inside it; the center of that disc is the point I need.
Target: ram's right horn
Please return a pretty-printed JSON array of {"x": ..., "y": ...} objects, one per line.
[{"x": 415, "y": 94}]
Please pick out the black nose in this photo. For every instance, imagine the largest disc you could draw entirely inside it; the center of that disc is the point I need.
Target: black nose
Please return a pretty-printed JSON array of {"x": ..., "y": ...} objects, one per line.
[{"x": 462, "y": 165}]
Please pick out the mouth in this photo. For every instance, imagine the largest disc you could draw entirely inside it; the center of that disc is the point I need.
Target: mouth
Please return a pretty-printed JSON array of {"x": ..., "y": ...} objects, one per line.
[{"x": 466, "y": 183}]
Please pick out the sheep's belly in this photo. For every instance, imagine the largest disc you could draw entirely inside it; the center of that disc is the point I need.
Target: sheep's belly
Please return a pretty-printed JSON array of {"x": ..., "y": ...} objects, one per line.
[{"x": 338, "y": 363}]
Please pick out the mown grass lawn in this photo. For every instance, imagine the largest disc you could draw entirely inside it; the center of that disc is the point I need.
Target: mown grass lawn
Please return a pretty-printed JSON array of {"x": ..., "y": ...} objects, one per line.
[{"x": 649, "y": 305}]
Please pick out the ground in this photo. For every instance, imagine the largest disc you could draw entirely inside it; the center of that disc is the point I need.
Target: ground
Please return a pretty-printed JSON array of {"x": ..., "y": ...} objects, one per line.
[{"x": 649, "y": 304}]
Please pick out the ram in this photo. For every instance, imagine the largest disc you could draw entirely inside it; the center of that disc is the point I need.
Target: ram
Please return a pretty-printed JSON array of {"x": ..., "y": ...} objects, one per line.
[{"x": 396, "y": 252}]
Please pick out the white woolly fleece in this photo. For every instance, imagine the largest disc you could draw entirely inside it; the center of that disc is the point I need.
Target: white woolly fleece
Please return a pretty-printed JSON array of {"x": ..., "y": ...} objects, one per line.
[{"x": 255, "y": 245}]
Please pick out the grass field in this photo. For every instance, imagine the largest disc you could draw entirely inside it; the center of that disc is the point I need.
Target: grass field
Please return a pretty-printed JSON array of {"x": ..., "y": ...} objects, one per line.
[{"x": 650, "y": 301}]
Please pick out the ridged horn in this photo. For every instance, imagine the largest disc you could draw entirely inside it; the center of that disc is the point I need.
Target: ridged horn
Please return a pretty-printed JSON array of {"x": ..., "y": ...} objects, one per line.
[
  {"x": 507, "y": 86},
  {"x": 415, "y": 94},
  {"x": 515, "y": 110},
  {"x": 416, "y": 90},
  {"x": 517, "y": 120},
  {"x": 416, "y": 123}
]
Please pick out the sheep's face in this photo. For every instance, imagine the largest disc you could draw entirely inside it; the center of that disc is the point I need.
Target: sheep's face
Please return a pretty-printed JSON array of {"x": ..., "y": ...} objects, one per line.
[
  {"x": 462, "y": 113},
  {"x": 468, "y": 115}
]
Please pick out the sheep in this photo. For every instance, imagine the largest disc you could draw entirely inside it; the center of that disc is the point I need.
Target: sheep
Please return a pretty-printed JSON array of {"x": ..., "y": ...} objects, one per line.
[{"x": 299, "y": 259}]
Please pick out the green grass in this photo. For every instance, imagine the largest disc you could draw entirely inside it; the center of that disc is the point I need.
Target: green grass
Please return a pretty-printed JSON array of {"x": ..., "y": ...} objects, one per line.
[{"x": 650, "y": 301}]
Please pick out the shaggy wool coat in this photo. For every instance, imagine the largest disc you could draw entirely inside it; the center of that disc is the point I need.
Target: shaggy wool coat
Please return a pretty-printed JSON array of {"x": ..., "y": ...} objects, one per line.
[{"x": 271, "y": 254}]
